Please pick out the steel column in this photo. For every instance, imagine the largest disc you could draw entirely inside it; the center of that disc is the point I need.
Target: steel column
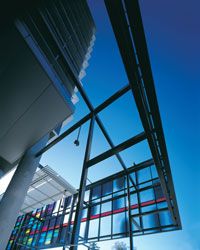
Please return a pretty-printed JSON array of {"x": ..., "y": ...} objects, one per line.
[
  {"x": 77, "y": 221},
  {"x": 129, "y": 214}
]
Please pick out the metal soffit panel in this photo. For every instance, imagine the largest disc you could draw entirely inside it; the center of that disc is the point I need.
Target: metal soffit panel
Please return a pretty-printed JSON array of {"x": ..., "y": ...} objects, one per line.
[
  {"x": 26, "y": 107},
  {"x": 46, "y": 187}
]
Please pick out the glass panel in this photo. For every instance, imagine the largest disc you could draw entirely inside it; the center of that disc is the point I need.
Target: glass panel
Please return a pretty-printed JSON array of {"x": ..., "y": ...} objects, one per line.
[
  {"x": 35, "y": 240},
  {"x": 158, "y": 191},
  {"x": 66, "y": 218},
  {"x": 119, "y": 223},
  {"x": 30, "y": 239},
  {"x": 118, "y": 203},
  {"x": 56, "y": 207},
  {"x": 42, "y": 239},
  {"x": 48, "y": 237},
  {"x": 63, "y": 235},
  {"x": 68, "y": 201},
  {"x": 93, "y": 228},
  {"x": 95, "y": 210},
  {"x": 96, "y": 192},
  {"x": 106, "y": 207},
  {"x": 84, "y": 213},
  {"x": 150, "y": 221},
  {"x": 107, "y": 188},
  {"x": 82, "y": 229},
  {"x": 144, "y": 175},
  {"x": 87, "y": 195},
  {"x": 118, "y": 184},
  {"x": 147, "y": 195},
  {"x": 55, "y": 235},
  {"x": 132, "y": 175},
  {"x": 154, "y": 172},
  {"x": 149, "y": 208},
  {"x": 165, "y": 218},
  {"x": 105, "y": 226},
  {"x": 134, "y": 227},
  {"x": 134, "y": 199},
  {"x": 162, "y": 205},
  {"x": 52, "y": 223}
]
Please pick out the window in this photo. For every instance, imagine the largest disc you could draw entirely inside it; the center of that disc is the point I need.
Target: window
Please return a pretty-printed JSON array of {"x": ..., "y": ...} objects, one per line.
[
  {"x": 119, "y": 223},
  {"x": 118, "y": 184},
  {"x": 105, "y": 228},
  {"x": 93, "y": 228},
  {"x": 107, "y": 188},
  {"x": 118, "y": 203}
]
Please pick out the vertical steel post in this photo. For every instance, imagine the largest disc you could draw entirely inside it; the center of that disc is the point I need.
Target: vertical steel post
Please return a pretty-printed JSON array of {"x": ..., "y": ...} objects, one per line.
[
  {"x": 77, "y": 221},
  {"x": 129, "y": 215}
]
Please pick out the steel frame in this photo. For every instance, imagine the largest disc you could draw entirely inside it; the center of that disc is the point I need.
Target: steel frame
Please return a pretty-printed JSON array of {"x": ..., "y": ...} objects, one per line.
[
  {"x": 127, "y": 25},
  {"x": 125, "y": 193}
]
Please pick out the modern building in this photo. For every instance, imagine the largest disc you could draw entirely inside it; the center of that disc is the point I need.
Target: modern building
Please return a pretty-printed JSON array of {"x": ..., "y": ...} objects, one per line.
[
  {"x": 138, "y": 200},
  {"x": 44, "y": 46}
]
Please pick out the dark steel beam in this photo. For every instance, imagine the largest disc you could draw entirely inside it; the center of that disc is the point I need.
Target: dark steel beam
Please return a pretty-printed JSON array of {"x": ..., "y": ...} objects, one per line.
[
  {"x": 120, "y": 147},
  {"x": 130, "y": 170},
  {"x": 97, "y": 110},
  {"x": 138, "y": 34},
  {"x": 130, "y": 219},
  {"x": 121, "y": 29},
  {"x": 79, "y": 207}
]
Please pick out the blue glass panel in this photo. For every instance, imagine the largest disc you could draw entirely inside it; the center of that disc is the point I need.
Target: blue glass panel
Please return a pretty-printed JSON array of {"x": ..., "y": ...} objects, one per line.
[
  {"x": 95, "y": 210},
  {"x": 42, "y": 239},
  {"x": 106, "y": 207},
  {"x": 158, "y": 190},
  {"x": 84, "y": 213},
  {"x": 119, "y": 223},
  {"x": 150, "y": 221},
  {"x": 105, "y": 228},
  {"x": 93, "y": 228},
  {"x": 118, "y": 203},
  {"x": 107, "y": 188},
  {"x": 118, "y": 184},
  {"x": 165, "y": 218},
  {"x": 96, "y": 192},
  {"x": 48, "y": 237},
  {"x": 148, "y": 208},
  {"x": 35, "y": 240},
  {"x": 154, "y": 172},
  {"x": 147, "y": 195},
  {"x": 68, "y": 201},
  {"x": 63, "y": 235},
  {"x": 134, "y": 199},
  {"x": 82, "y": 229},
  {"x": 144, "y": 175},
  {"x": 52, "y": 222},
  {"x": 55, "y": 235},
  {"x": 162, "y": 205}
]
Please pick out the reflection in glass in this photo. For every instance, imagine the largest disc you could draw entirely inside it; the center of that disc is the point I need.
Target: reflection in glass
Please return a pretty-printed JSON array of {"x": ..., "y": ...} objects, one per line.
[
  {"x": 119, "y": 223},
  {"x": 93, "y": 228},
  {"x": 105, "y": 226}
]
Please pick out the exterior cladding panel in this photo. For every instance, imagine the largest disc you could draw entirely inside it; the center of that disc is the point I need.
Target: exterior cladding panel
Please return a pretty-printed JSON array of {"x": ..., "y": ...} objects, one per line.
[{"x": 64, "y": 31}]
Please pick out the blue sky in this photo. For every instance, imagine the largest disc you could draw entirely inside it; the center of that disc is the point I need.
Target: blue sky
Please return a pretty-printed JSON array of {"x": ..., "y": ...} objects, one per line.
[{"x": 173, "y": 37}]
